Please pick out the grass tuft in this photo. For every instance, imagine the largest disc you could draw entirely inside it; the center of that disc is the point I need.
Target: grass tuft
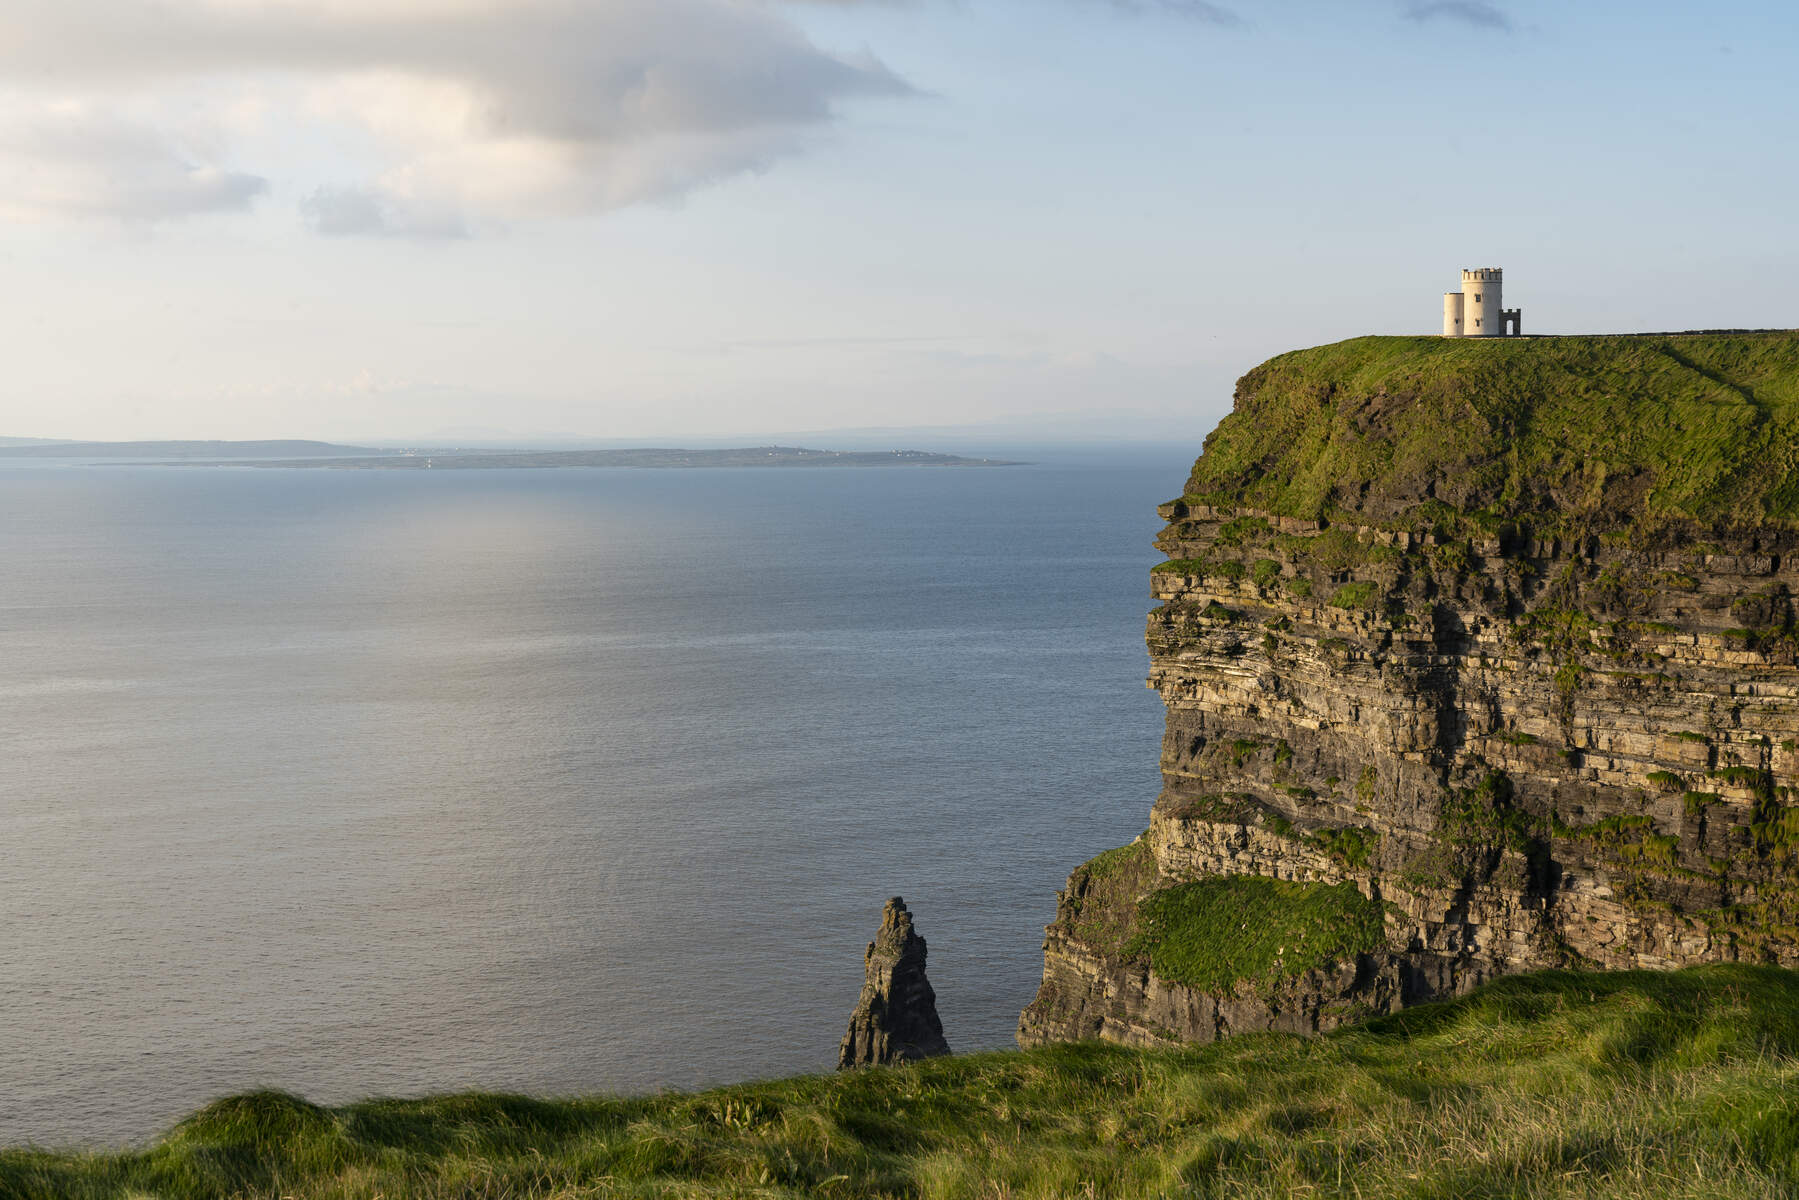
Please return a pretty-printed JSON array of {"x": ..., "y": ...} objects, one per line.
[{"x": 1215, "y": 933}]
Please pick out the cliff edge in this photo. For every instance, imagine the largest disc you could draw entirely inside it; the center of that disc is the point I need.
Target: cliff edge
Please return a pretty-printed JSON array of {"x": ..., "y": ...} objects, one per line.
[{"x": 1478, "y": 657}]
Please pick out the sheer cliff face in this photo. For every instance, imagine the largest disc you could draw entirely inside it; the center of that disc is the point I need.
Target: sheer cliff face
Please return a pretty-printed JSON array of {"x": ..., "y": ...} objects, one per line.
[{"x": 1536, "y": 701}]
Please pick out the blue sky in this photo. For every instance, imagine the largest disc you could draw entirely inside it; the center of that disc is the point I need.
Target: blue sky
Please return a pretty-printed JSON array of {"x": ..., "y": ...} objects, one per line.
[{"x": 405, "y": 219}]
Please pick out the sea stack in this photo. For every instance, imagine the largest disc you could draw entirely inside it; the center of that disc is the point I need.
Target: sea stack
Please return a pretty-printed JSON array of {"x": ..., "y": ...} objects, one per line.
[{"x": 896, "y": 1019}]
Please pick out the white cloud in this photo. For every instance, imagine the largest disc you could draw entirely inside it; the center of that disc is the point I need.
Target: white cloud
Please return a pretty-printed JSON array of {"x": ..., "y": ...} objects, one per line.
[
  {"x": 72, "y": 162},
  {"x": 478, "y": 110}
]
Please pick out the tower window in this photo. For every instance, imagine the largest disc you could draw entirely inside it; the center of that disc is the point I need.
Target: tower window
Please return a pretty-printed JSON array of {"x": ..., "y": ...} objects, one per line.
[{"x": 1477, "y": 297}]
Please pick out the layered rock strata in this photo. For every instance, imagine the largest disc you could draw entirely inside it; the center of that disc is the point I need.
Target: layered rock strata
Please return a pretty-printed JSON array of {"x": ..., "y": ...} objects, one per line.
[
  {"x": 1532, "y": 694},
  {"x": 895, "y": 1020}
]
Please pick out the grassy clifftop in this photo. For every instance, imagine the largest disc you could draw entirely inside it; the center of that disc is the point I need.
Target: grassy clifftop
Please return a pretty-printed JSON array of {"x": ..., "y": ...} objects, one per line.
[
  {"x": 1558, "y": 1085},
  {"x": 1687, "y": 427}
]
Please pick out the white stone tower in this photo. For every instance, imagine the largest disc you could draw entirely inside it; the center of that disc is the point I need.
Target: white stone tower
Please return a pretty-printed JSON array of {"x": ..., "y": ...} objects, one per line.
[
  {"x": 1478, "y": 310},
  {"x": 1480, "y": 302}
]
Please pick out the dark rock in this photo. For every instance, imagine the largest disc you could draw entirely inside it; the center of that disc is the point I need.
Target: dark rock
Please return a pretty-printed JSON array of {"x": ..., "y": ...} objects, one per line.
[
  {"x": 1532, "y": 751},
  {"x": 896, "y": 1018}
]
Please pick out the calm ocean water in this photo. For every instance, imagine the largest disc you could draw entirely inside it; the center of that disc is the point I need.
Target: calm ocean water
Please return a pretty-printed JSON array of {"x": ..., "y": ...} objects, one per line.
[{"x": 566, "y": 781}]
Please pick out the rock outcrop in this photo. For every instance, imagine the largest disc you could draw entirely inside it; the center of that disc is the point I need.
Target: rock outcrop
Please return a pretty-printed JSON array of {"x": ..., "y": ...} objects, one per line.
[
  {"x": 1485, "y": 658},
  {"x": 896, "y": 1018}
]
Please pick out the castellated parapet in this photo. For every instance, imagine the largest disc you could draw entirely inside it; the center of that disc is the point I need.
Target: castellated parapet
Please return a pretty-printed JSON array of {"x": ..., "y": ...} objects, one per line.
[{"x": 1478, "y": 310}]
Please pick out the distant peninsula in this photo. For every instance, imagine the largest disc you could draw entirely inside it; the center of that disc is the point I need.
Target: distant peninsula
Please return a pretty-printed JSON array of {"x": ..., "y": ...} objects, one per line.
[
  {"x": 753, "y": 456},
  {"x": 280, "y": 448},
  {"x": 296, "y": 453}
]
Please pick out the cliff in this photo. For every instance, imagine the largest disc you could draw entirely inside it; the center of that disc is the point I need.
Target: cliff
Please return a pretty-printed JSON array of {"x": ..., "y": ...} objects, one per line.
[{"x": 1478, "y": 658}]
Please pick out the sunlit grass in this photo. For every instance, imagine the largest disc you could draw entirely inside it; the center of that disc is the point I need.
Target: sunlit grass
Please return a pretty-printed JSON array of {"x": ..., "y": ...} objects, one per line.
[
  {"x": 1576, "y": 430},
  {"x": 1553, "y": 1085}
]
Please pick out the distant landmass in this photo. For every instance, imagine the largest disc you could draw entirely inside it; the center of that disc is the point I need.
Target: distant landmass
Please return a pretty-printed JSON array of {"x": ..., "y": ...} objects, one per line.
[
  {"x": 288, "y": 448},
  {"x": 292, "y": 453},
  {"x": 754, "y": 456}
]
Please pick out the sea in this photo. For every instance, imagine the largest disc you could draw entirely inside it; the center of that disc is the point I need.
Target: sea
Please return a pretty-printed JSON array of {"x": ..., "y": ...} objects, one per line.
[{"x": 364, "y": 783}]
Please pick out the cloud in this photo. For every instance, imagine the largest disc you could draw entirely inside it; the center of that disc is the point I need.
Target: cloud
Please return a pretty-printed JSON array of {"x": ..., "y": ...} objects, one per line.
[
  {"x": 463, "y": 112},
  {"x": 1469, "y": 12},
  {"x": 372, "y": 212},
  {"x": 1199, "y": 10},
  {"x": 1203, "y": 10},
  {"x": 72, "y": 162}
]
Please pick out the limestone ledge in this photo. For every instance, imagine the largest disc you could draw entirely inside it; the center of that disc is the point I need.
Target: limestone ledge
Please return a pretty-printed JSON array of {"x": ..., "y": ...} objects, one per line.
[{"x": 1085, "y": 995}]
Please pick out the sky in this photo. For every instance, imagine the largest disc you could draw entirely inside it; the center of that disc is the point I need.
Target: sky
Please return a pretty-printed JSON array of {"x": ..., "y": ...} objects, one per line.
[{"x": 407, "y": 220}]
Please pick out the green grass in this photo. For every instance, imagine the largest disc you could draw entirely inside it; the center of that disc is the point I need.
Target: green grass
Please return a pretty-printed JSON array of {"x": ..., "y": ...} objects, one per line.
[
  {"x": 1105, "y": 891},
  {"x": 1215, "y": 933},
  {"x": 1355, "y": 595},
  {"x": 1576, "y": 432},
  {"x": 1235, "y": 533},
  {"x": 1352, "y": 846},
  {"x": 1552, "y": 1086},
  {"x": 1225, "y": 930}
]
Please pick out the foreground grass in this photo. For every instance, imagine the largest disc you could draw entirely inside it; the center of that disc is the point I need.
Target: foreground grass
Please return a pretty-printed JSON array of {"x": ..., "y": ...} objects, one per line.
[{"x": 1554, "y": 1085}]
